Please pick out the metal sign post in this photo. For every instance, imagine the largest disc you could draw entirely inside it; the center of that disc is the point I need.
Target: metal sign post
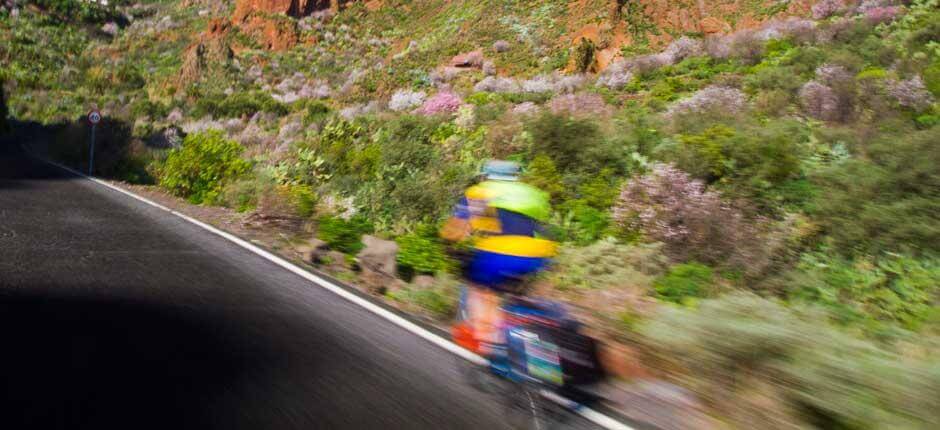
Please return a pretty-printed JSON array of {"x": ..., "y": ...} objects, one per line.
[{"x": 94, "y": 117}]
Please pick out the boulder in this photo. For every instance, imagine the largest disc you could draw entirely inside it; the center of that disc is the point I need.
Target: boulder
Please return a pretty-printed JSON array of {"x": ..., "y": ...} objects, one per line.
[
  {"x": 378, "y": 263},
  {"x": 313, "y": 250}
]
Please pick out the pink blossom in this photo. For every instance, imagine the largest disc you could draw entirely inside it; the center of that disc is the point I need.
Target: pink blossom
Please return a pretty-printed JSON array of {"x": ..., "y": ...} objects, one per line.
[
  {"x": 833, "y": 75},
  {"x": 882, "y": 14},
  {"x": 442, "y": 102},
  {"x": 714, "y": 99},
  {"x": 669, "y": 206},
  {"x": 826, "y": 8},
  {"x": 910, "y": 93},
  {"x": 819, "y": 101}
]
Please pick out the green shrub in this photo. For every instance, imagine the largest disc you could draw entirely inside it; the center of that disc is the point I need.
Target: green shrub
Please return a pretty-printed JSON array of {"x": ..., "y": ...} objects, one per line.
[
  {"x": 580, "y": 223},
  {"x": 932, "y": 78},
  {"x": 607, "y": 264},
  {"x": 77, "y": 10},
  {"x": 421, "y": 252},
  {"x": 542, "y": 173},
  {"x": 894, "y": 290},
  {"x": 238, "y": 104},
  {"x": 199, "y": 169},
  {"x": 755, "y": 361},
  {"x": 440, "y": 300},
  {"x": 886, "y": 201},
  {"x": 584, "y": 55},
  {"x": 773, "y": 78},
  {"x": 684, "y": 281},
  {"x": 343, "y": 235},
  {"x": 573, "y": 144},
  {"x": 304, "y": 199},
  {"x": 315, "y": 112},
  {"x": 753, "y": 161}
]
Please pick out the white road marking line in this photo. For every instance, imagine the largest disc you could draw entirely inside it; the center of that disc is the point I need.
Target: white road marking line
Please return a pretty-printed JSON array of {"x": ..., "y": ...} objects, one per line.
[{"x": 587, "y": 413}]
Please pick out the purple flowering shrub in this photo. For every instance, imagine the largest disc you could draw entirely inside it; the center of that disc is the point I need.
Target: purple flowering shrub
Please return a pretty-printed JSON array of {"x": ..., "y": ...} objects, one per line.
[
  {"x": 831, "y": 96},
  {"x": 668, "y": 206},
  {"x": 910, "y": 93},
  {"x": 496, "y": 84},
  {"x": 826, "y": 8},
  {"x": 442, "y": 102},
  {"x": 616, "y": 76},
  {"x": 579, "y": 104},
  {"x": 406, "y": 99},
  {"x": 819, "y": 101},
  {"x": 711, "y": 100},
  {"x": 882, "y": 14},
  {"x": 684, "y": 47}
]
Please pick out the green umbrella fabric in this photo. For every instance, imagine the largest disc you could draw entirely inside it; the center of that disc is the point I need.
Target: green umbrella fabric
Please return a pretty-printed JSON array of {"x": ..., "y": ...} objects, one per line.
[{"x": 518, "y": 197}]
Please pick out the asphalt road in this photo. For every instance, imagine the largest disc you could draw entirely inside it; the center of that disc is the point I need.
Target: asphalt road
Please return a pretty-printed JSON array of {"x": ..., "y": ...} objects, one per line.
[{"x": 114, "y": 314}]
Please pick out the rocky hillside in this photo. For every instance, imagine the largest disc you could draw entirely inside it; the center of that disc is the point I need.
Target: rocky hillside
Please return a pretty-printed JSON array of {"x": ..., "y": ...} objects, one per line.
[{"x": 744, "y": 190}]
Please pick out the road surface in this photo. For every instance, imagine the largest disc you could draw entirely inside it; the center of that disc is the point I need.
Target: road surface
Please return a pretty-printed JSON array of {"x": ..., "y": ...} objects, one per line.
[{"x": 114, "y": 314}]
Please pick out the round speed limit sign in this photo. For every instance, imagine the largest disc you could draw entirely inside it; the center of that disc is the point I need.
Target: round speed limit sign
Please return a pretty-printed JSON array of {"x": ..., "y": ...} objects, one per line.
[{"x": 94, "y": 117}]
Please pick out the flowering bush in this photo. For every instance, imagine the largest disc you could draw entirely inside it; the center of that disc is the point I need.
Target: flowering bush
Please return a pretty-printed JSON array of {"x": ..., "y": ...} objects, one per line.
[
  {"x": 910, "y": 93},
  {"x": 489, "y": 68},
  {"x": 799, "y": 29},
  {"x": 442, "y": 102},
  {"x": 495, "y": 84},
  {"x": 579, "y": 104},
  {"x": 684, "y": 47},
  {"x": 501, "y": 46},
  {"x": 833, "y": 75},
  {"x": 525, "y": 108},
  {"x": 878, "y": 15},
  {"x": 819, "y": 101},
  {"x": 867, "y": 5},
  {"x": 568, "y": 83},
  {"x": 616, "y": 76},
  {"x": 668, "y": 206},
  {"x": 353, "y": 111},
  {"x": 826, "y": 8},
  {"x": 538, "y": 84},
  {"x": 405, "y": 99},
  {"x": 650, "y": 63},
  {"x": 714, "y": 99},
  {"x": 831, "y": 96}
]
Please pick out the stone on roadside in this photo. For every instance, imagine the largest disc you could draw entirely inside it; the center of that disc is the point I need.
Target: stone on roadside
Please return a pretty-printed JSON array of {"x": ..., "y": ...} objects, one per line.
[{"x": 378, "y": 263}]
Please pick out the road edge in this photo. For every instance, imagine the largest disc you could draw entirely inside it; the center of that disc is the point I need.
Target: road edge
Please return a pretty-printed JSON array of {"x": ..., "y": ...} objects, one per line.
[{"x": 344, "y": 291}]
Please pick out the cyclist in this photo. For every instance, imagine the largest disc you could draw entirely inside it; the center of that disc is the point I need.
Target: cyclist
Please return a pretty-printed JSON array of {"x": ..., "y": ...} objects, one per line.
[{"x": 502, "y": 219}]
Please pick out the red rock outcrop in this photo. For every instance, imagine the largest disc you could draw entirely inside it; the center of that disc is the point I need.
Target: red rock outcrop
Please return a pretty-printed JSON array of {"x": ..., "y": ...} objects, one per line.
[
  {"x": 255, "y": 18},
  {"x": 293, "y": 8},
  {"x": 210, "y": 53}
]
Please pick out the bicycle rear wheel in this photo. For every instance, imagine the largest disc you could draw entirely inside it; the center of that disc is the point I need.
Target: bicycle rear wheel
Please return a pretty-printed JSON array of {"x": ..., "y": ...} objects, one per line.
[
  {"x": 481, "y": 378},
  {"x": 526, "y": 409}
]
